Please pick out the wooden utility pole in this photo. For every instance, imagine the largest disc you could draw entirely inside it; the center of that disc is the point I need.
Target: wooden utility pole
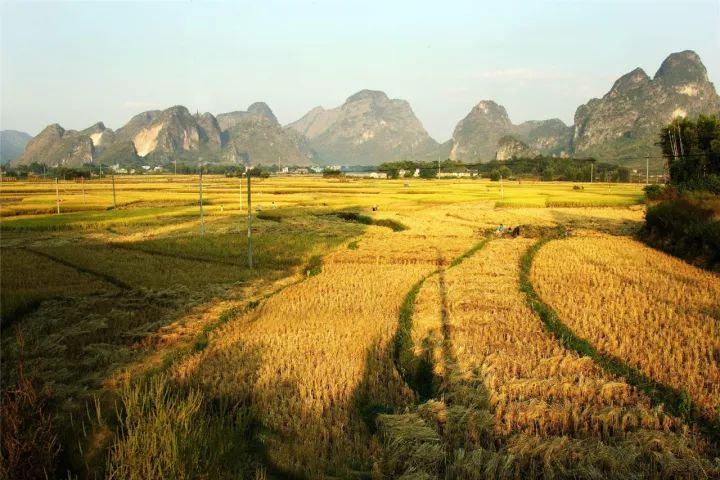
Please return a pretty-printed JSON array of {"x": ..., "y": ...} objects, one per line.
[
  {"x": 57, "y": 195},
  {"x": 114, "y": 197},
  {"x": 592, "y": 168},
  {"x": 249, "y": 221},
  {"x": 202, "y": 219},
  {"x": 502, "y": 191},
  {"x": 647, "y": 170},
  {"x": 241, "y": 194},
  {"x": 83, "y": 188}
]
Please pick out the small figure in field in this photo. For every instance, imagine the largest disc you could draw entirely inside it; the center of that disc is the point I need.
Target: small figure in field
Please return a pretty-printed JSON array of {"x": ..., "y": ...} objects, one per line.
[
  {"x": 273, "y": 205},
  {"x": 500, "y": 230},
  {"x": 516, "y": 232},
  {"x": 222, "y": 209},
  {"x": 374, "y": 208}
]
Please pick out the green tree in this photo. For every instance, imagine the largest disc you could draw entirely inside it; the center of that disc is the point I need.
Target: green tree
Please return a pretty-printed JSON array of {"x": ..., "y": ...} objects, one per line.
[
  {"x": 428, "y": 172},
  {"x": 692, "y": 150}
]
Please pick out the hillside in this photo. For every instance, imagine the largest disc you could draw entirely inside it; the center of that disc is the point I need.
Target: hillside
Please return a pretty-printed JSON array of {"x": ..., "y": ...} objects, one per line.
[
  {"x": 12, "y": 144},
  {"x": 625, "y": 122},
  {"x": 369, "y": 128}
]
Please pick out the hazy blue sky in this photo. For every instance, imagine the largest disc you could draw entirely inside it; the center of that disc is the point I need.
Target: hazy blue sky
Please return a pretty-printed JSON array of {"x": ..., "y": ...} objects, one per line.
[{"x": 76, "y": 63}]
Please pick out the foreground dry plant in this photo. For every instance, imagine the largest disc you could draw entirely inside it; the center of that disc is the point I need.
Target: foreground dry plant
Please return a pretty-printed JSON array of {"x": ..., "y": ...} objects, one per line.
[
  {"x": 651, "y": 310},
  {"x": 312, "y": 357}
]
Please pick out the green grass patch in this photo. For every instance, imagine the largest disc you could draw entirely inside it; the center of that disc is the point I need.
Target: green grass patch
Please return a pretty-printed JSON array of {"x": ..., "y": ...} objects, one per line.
[{"x": 349, "y": 216}]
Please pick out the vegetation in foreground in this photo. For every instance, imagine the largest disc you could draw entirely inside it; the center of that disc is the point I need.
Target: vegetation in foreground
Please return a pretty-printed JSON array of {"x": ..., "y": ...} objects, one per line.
[{"x": 134, "y": 344}]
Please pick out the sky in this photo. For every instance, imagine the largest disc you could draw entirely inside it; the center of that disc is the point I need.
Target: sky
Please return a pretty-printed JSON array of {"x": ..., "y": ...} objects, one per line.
[{"x": 77, "y": 63}]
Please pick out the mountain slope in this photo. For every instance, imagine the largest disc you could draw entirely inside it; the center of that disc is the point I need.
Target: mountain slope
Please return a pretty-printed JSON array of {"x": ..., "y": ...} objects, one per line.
[
  {"x": 55, "y": 146},
  {"x": 623, "y": 125},
  {"x": 12, "y": 144},
  {"x": 477, "y": 136},
  {"x": 255, "y": 136},
  {"x": 369, "y": 128}
]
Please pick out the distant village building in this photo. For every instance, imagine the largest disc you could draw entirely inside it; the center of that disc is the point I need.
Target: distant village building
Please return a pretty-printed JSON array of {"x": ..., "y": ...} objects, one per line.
[
  {"x": 467, "y": 174},
  {"x": 366, "y": 174}
]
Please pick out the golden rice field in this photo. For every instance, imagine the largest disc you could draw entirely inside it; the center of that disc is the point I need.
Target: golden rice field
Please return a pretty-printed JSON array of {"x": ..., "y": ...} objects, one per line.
[
  {"x": 656, "y": 312},
  {"x": 474, "y": 323},
  {"x": 308, "y": 357},
  {"x": 175, "y": 192},
  {"x": 396, "y": 342}
]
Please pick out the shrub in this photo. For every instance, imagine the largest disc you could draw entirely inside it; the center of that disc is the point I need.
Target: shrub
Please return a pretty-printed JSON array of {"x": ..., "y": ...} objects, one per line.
[
  {"x": 684, "y": 227},
  {"x": 653, "y": 191}
]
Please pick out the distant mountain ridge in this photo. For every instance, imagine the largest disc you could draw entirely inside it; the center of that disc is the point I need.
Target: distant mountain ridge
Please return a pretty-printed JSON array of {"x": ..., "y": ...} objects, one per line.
[
  {"x": 477, "y": 136},
  {"x": 161, "y": 136},
  {"x": 625, "y": 122},
  {"x": 370, "y": 128},
  {"x": 12, "y": 144}
]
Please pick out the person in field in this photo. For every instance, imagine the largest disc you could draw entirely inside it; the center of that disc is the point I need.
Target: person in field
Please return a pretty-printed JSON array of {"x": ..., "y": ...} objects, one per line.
[
  {"x": 500, "y": 230},
  {"x": 516, "y": 232}
]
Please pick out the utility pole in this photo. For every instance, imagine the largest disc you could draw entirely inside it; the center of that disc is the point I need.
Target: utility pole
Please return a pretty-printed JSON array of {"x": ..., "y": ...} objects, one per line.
[
  {"x": 114, "y": 198},
  {"x": 502, "y": 190},
  {"x": 175, "y": 162},
  {"x": 647, "y": 170},
  {"x": 592, "y": 168},
  {"x": 249, "y": 221},
  {"x": 438, "y": 166},
  {"x": 202, "y": 219},
  {"x": 83, "y": 188},
  {"x": 57, "y": 195},
  {"x": 241, "y": 194}
]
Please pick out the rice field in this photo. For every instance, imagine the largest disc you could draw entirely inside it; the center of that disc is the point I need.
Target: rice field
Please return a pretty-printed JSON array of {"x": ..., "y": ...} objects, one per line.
[
  {"x": 629, "y": 292},
  {"x": 173, "y": 193},
  {"x": 384, "y": 330}
]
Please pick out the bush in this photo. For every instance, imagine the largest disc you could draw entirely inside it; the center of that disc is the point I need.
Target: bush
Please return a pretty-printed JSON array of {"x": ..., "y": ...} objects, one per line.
[
  {"x": 685, "y": 227},
  {"x": 653, "y": 191}
]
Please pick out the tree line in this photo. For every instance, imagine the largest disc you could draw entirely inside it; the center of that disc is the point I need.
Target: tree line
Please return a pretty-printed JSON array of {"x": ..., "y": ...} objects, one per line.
[{"x": 543, "y": 167}]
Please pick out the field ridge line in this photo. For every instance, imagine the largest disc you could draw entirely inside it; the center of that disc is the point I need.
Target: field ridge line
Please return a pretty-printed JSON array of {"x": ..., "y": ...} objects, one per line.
[
  {"x": 104, "y": 276},
  {"x": 677, "y": 402},
  {"x": 414, "y": 371}
]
